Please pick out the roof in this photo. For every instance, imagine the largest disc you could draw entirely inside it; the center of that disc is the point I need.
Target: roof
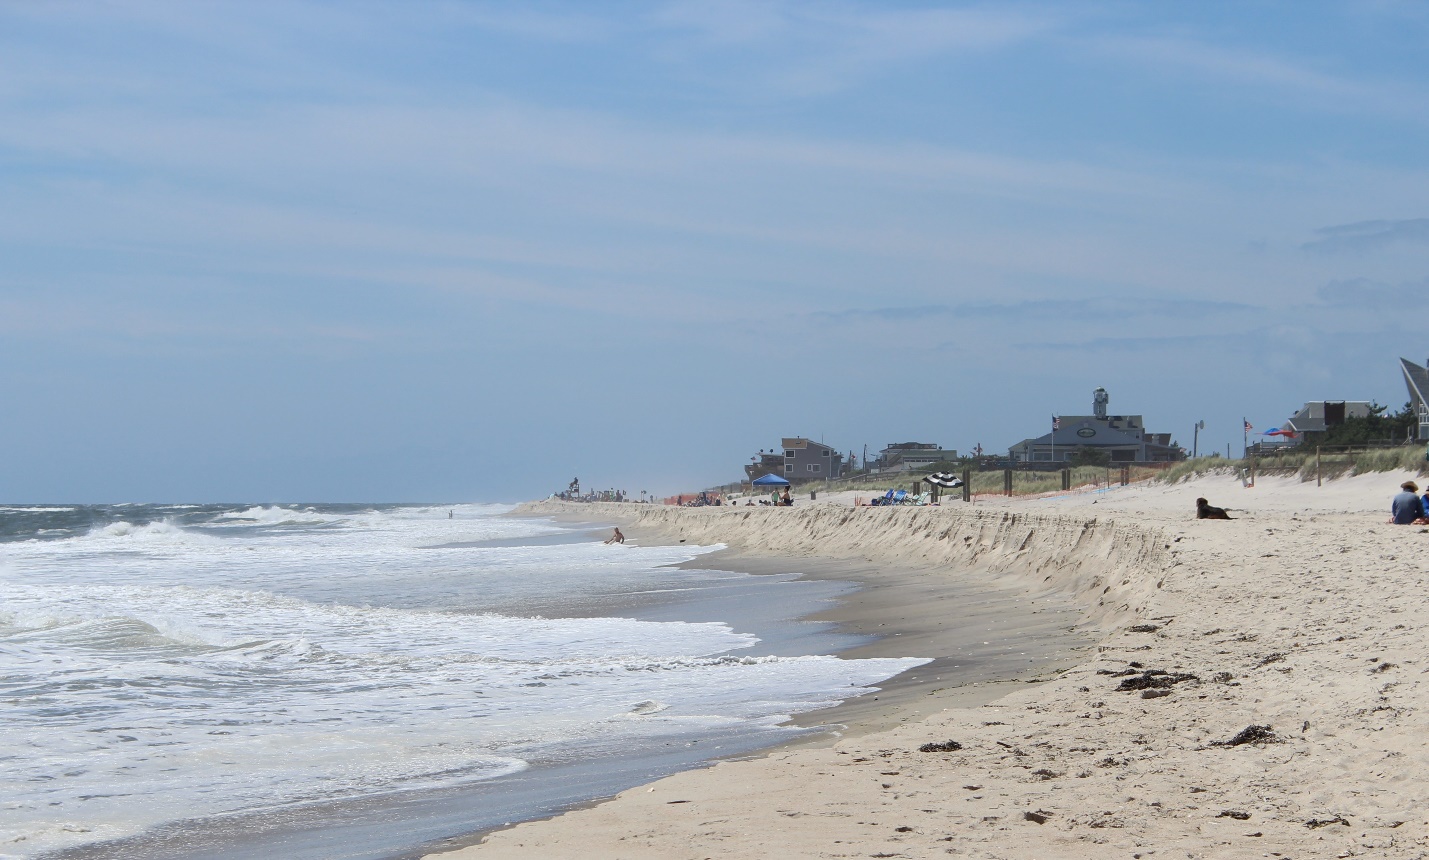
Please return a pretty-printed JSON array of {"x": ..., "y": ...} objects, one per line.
[
  {"x": 1311, "y": 417},
  {"x": 910, "y": 446},
  {"x": 799, "y": 442},
  {"x": 1417, "y": 378},
  {"x": 1072, "y": 435}
]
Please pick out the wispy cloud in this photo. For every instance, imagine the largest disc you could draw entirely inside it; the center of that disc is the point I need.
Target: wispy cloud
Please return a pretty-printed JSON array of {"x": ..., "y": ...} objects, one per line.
[
  {"x": 868, "y": 29},
  {"x": 27, "y": 318},
  {"x": 1239, "y": 65},
  {"x": 1078, "y": 310},
  {"x": 1254, "y": 70},
  {"x": 1368, "y": 293},
  {"x": 813, "y": 48},
  {"x": 1368, "y": 235},
  {"x": 552, "y": 24},
  {"x": 1286, "y": 339}
]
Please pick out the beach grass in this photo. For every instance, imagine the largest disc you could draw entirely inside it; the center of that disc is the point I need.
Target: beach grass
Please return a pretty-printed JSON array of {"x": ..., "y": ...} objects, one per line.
[
  {"x": 991, "y": 482},
  {"x": 1297, "y": 460},
  {"x": 1304, "y": 463}
]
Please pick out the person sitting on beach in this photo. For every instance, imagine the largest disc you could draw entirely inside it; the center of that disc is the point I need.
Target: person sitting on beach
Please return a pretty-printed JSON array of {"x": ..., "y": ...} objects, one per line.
[
  {"x": 1407, "y": 506},
  {"x": 786, "y": 500},
  {"x": 1207, "y": 511},
  {"x": 616, "y": 538}
]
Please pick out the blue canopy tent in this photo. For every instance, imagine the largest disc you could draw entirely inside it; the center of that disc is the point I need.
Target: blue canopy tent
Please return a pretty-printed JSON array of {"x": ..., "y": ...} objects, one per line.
[{"x": 770, "y": 481}]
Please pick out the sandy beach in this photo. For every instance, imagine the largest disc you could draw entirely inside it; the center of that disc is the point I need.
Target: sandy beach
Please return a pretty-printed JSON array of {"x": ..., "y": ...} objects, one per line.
[{"x": 1256, "y": 692}]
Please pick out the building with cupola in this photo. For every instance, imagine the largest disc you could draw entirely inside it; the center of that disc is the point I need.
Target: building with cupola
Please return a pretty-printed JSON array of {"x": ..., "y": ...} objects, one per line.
[{"x": 1122, "y": 437}]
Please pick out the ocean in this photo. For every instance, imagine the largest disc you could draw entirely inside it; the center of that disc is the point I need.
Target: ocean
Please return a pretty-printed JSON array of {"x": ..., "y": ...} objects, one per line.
[{"x": 369, "y": 681}]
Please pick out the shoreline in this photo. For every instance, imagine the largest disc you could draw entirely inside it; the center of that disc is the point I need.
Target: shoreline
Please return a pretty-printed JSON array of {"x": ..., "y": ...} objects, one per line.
[
  {"x": 896, "y": 606},
  {"x": 900, "y": 611},
  {"x": 892, "y": 605},
  {"x": 1301, "y": 618}
]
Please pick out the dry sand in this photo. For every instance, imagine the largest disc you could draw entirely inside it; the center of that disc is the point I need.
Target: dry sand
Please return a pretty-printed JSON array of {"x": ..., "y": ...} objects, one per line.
[{"x": 1305, "y": 617}]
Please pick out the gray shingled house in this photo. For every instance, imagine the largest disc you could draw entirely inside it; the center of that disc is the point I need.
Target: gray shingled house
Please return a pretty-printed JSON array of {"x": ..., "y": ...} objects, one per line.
[{"x": 806, "y": 460}]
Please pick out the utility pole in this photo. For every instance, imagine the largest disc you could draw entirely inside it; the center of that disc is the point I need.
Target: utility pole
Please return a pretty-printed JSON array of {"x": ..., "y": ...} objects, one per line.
[{"x": 1196, "y": 437}]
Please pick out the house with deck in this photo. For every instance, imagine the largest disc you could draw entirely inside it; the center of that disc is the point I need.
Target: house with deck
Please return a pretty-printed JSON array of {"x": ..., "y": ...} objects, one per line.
[{"x": 797, "y": 460}]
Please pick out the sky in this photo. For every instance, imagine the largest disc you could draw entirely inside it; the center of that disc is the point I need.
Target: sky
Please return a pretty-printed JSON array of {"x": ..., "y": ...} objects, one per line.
[{"x": 466, "y": 251}]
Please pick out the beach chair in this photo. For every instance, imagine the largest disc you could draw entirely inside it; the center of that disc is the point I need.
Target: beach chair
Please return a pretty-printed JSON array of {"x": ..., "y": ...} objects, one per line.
[{"x": 898, "y": 497}]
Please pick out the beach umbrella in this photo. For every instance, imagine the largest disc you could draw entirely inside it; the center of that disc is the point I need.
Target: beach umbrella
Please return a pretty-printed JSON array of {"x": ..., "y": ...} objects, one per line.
[
  {"x": 944, "y": 479},
  {"x": 770, "y": 480}
]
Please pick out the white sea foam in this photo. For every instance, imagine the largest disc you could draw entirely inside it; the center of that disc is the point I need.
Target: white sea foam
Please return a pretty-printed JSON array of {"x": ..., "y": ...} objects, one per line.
[
  {"x": 167, "y": 671},
  {"x": 274, "y": 515},
  {"x": 161, "y": 533}
]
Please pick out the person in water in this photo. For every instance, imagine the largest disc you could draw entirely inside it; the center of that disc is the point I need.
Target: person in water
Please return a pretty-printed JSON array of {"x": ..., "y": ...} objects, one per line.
[{"x": 616, "y": 538}]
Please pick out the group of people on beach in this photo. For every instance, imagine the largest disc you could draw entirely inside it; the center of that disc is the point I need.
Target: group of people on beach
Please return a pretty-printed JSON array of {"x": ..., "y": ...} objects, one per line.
[
  {"x": 1408, "y": 508},
  {"x": 776, "y": 499},
  {"x": 704, "y": 499}
]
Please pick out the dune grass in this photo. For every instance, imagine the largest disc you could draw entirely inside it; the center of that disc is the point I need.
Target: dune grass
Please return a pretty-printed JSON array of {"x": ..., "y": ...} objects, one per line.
[
  {"x": 1301, "y": 462},
  {"x": 1195, "y": 468},
  {"x": 1024, "y": 483},
  {"x": 1291, "y": 461}
]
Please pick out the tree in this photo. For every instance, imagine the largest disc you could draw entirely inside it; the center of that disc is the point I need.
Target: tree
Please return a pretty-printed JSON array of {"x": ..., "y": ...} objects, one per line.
[{"x": 1086, "y": 455}]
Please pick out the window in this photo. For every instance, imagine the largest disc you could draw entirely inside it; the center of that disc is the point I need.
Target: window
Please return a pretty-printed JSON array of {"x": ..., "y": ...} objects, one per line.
[
  {"x": 814, "y": 467},
  {"x": 826, "y": 453},
  {"x": 788, "y": 454},
  {"x": 788, "y": 467}
]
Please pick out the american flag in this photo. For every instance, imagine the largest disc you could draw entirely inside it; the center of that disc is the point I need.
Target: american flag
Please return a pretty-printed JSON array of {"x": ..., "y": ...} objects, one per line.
[
  {"x": 1056, "y": 423},
  {"x": 1248, "y": 428}
]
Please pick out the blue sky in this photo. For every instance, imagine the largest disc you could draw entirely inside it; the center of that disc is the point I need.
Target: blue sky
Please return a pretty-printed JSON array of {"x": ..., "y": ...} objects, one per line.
[{"x": 463, "y": 250}]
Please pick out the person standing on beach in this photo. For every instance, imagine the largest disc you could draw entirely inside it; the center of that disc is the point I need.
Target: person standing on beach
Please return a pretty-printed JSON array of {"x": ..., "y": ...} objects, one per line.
[{"x": 1407, "y": 506}]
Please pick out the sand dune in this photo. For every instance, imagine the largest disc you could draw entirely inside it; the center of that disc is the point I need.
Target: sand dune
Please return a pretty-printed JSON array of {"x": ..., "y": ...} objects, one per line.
[{"x": 1259, "y": 692}]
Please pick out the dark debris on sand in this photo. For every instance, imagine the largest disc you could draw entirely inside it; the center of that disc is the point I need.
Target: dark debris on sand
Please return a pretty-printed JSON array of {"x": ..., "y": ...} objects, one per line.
[
  {"x": 1153, "y": 679},
  {"x": 1317, "y": 823},
  {"x": 1250, "y": 735},
  {"x": 945, "y": 746}
]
